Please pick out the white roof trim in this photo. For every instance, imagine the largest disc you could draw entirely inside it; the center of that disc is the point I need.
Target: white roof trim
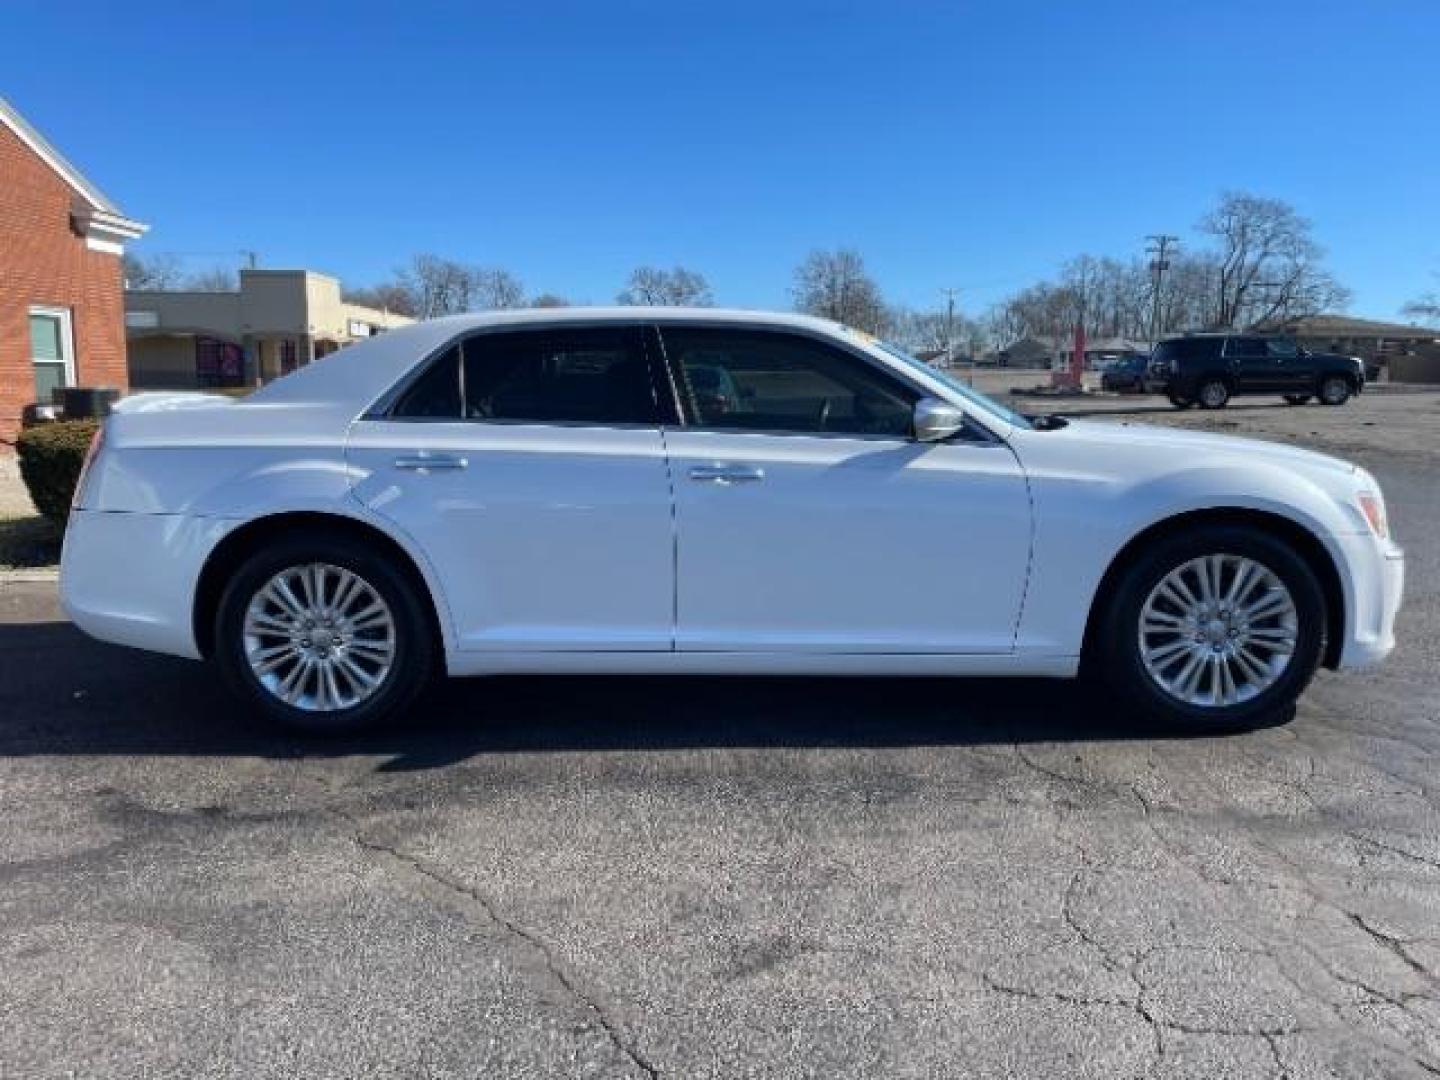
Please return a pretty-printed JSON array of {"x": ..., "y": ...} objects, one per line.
[{"x": 52, "y": 157}]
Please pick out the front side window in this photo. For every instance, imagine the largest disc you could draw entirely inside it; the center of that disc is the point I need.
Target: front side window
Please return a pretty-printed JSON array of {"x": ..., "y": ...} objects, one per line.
[
  {"x": 760, "y": 380},
  {"x": 51, "y": 351}
]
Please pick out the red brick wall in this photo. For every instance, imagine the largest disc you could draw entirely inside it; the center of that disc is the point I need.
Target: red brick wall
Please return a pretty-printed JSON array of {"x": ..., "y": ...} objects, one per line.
[{"x": 42, "y": 261}]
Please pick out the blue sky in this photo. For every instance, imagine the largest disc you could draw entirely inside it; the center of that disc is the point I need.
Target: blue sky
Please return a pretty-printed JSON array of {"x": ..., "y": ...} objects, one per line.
[{"x": 976, "y": 145}]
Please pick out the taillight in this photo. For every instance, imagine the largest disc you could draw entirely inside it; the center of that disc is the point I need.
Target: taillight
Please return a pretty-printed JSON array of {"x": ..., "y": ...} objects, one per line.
[{"x": 77, "y": 500}]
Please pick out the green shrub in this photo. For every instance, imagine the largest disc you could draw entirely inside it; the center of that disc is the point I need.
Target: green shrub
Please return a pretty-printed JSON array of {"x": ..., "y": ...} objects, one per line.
[{"x": 51, "y": 456}]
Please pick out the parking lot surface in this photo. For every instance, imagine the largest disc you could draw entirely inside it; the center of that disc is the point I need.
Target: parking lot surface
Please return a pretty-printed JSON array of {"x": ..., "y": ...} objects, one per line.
[{"x": 745, "y": 877}]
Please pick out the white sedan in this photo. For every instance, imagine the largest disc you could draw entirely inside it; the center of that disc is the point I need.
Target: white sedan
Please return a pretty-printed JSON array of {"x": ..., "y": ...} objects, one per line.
[{"x": 668, "y": 490}]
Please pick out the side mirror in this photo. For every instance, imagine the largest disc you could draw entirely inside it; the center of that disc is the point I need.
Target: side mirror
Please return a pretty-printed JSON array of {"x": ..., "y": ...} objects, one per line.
[{"x": 936, "y": 420}]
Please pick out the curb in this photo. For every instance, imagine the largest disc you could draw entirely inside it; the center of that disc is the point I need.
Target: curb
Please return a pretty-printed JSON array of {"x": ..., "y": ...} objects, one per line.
[{"x": 26, "y": 577}]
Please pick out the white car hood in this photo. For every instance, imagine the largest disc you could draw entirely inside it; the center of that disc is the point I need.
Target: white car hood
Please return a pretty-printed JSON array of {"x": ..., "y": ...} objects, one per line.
[{"x": 1179, "y": 447}]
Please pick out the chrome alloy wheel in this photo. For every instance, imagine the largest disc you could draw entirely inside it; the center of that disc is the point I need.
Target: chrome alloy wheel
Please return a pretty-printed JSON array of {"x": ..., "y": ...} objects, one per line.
[
  {"x": 1218, "y": 630},
  {"x": 319, "y": 637}
]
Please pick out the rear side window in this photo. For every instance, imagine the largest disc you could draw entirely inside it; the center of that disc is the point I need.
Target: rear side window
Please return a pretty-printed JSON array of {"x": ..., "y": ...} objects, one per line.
[
  {"x": 1246, "y": 347},
  {"x": 1185, "y": 349},
  {"x": 583, "y": 376},
  {"x": 436, "y": 394},
  {"x": 757, "y": 380}
]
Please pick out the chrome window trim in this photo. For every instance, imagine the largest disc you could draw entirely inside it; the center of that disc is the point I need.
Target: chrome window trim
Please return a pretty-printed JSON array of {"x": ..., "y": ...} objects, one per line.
[{"x": 976, "y": 432}]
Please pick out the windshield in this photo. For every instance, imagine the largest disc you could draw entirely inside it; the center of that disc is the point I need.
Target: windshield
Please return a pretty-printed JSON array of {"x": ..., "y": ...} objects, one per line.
[{"x": 968, "y": 394}]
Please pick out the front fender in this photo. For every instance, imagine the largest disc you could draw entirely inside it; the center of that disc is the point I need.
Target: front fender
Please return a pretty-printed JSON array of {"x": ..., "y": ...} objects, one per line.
[{"x": 1083, "y": 521}]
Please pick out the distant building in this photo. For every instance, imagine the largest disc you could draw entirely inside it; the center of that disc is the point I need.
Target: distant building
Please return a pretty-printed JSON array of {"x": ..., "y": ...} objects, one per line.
[
  {"x": 277, "y": 321},
  {"x": 1368, "y": 339},
  {"x": 1043, "y": 351},
  {"x": 61, "y": 315},
  {"x": 1100, "y": 352},
  {"x": 1027, "y": 352}
]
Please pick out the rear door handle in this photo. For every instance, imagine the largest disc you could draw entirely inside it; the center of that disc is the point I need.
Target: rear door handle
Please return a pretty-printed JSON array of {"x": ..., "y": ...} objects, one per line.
[
  {"x": 727, "y": 474},
  {"x": 424, "y": 461}
]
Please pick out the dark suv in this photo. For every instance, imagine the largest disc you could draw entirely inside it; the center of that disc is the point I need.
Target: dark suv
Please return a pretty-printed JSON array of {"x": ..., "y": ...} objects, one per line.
[{"x": 1209, "y": 369}]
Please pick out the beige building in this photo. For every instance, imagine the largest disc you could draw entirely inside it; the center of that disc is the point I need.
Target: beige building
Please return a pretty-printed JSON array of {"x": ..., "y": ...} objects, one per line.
[
  {"x": 1377, "y": 343},
  {"x": 276, "y": 321}
]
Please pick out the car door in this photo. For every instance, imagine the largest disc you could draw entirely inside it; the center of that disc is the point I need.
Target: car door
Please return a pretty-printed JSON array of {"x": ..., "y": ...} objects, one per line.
[
  {"x": 1251, "y": 364},
  {"x": 809, "y": 520},
  {"x": 1293, "y": 373},
  {"x": 529, "y": 467}
]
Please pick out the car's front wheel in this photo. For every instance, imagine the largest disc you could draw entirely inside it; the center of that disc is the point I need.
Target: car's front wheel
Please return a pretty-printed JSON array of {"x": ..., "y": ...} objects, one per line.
[
  {"x": 1216, "y": 628},
  {"x": 1334, "y": 390},
  {"x": 1214, "y": 394},
  {"x": 322, "y": 634}
]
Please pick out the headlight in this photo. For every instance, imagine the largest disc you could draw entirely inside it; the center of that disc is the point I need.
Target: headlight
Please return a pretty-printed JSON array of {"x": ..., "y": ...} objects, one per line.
[{"x": 1373, "y": 507}]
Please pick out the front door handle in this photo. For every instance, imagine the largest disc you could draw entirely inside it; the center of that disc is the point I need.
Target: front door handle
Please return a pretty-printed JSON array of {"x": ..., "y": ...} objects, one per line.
[
  {"x": 727, "y": 474},
  {"x": 423, "y": 461}
]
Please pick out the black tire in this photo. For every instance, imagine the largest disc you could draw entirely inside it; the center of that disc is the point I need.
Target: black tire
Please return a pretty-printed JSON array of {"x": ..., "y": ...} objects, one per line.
[
  {"x": 1180, "y": 402},
  {"x": 1213, "y": 394},
  {"x": 415, "y": 650},
  {"x": 1334, "y": 390},
  {"x": 1296, "y": 399},
  {"x": 1115, "y": 644}
]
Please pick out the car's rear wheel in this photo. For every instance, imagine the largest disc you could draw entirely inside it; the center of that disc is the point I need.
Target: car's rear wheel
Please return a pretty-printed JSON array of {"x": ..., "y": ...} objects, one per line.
[
  {"x": 1217, "y": 628},
  {"x": 1214, "y": 394},
  {"x": 1334, "y": 390},
  {"x": 321, "y": 634},
  {"x": 1296, "y": 399}
]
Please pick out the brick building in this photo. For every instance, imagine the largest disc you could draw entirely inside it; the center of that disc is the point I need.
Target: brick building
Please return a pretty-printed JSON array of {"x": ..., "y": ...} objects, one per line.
[{"x": 62, "y": 316}]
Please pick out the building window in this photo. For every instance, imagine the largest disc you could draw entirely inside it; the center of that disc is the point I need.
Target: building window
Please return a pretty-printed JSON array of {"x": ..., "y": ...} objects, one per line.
[
  {"x": 52, "y": 351},
  {"x": 288, "y": 361},
  {"x": 218, "y": 363}
]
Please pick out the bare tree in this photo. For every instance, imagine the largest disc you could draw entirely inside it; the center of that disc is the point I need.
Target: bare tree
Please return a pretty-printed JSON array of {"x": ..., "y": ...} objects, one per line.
[
  {"x": 549, "y": 300},
  {"x": 216, "y": 279},
  {"x": 1269, "y": 265},
  {"x": 440, "y": 286},
  {"x": 834, "y": 285},
  {"x": 437, "y": 286},
  {"x": 387, "y": 296},
  {"x": 930, "y": 330},
  {"x": 1424, "y": 308},
  {"x": 676, "y": 287},
  {"x": 493, "y": 288},
  {"x": 160, "y": 271}
]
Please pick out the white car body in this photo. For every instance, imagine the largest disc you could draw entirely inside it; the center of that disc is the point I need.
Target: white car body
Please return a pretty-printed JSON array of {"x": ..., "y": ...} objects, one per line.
[{"x": 576, "y": 548}]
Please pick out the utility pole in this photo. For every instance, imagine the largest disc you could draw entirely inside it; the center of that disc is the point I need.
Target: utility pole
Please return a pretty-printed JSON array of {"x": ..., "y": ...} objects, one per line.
[
  {"x": 949, "y": 295},
  {"x": 1158, "y": 250}
]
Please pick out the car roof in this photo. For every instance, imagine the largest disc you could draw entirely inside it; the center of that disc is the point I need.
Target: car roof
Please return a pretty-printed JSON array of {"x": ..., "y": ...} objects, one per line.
[{"x": 355, "y": 376}]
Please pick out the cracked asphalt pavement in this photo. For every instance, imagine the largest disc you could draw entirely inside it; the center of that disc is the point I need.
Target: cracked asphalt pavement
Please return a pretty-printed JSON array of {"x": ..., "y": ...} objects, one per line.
[{"x": 706, "y": 877}]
